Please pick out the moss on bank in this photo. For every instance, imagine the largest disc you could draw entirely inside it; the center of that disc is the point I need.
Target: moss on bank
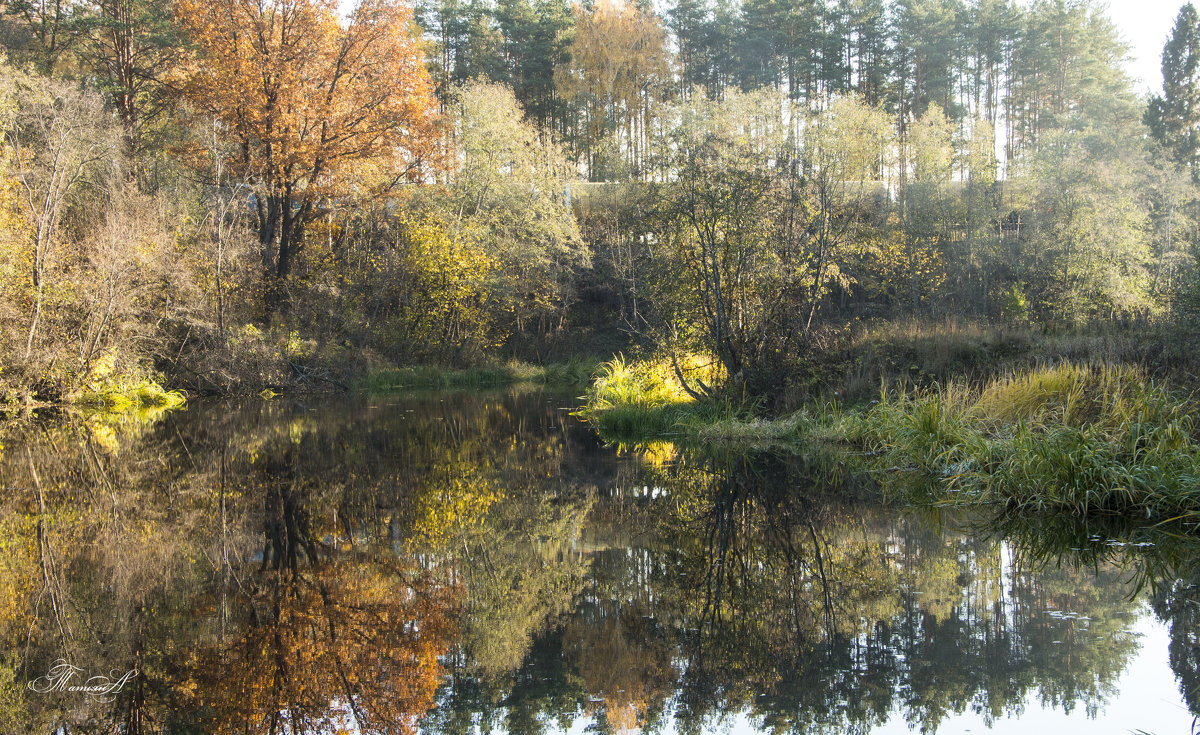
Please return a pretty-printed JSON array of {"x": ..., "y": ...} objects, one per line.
[
  {"x": 1076, "y": 438},
  {"x": 130, "y": 396}
]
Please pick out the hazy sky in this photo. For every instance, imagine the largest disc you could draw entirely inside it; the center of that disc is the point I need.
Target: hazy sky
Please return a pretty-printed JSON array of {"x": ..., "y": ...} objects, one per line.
[{"x": 1145, "y": 24}]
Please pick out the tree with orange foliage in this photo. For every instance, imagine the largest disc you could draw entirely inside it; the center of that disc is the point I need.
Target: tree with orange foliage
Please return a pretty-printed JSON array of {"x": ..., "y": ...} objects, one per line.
[{"x": 310, "y": 97}]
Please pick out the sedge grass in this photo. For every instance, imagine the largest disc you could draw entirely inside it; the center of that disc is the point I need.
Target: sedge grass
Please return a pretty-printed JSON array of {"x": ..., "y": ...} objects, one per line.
[
  {"x": 127, "y": 397},
  {"x": 1076, "y": 438}
]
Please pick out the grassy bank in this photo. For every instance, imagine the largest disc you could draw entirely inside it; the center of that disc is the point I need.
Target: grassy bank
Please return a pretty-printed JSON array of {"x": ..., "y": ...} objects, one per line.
[
  {"x": 428, "y": 377},
  {"x": 1071, "y": 438},
  {"x": 1076, "y": 438},
  {"x": 114, "y": 394},
  {"x": 918, "y": 353}
]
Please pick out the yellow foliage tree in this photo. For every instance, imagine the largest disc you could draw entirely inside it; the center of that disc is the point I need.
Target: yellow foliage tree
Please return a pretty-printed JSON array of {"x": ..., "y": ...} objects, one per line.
[
  {"x": 619, "y": 67},
  {"x": 447, "y": 302}
]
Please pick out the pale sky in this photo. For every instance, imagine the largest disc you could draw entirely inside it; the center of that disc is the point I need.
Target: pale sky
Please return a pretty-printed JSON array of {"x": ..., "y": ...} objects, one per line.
[{"x": 1145, "y": 24}]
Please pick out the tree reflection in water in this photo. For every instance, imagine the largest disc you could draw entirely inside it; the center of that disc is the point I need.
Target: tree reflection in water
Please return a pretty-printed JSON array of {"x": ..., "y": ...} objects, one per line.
[
  {"x": 348, "y": 644},
  {"x": 833, "y": 610},
  {"x": 481, "y": 563},
  {"x": 759, "y": 586}
]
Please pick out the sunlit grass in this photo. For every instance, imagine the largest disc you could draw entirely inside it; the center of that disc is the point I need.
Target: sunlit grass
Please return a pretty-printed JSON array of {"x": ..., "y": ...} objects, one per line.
[
  {"x": 921, "y": 352},
  {"x": 131, "y": 397},
  {"x": 630, "y": 401},
  {"x": 620, "y": 383},
  {"x": 1078, "y": 438}
]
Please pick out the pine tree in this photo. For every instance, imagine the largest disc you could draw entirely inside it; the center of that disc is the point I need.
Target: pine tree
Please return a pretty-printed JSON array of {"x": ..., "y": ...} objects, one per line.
[
  {"x": 869, "y": 48},
  {"x": 759, "y": 44},
  {"x": 1174, "y": 118},
  {"x": 687, "y": 21}
]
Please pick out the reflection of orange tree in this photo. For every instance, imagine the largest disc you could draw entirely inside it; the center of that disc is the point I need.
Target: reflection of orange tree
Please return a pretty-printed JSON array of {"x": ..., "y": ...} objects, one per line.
[
  {"x": 353, "y": 647},
  {"x": 624, "y": 666}
]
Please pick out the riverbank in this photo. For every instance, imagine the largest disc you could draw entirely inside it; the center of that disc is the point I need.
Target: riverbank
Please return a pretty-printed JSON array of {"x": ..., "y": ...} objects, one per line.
[
  {"x": 128, "y": 396},
  {"x": 429, "y": 377},
  {"x": 297, "y": 368},
  {"x": 1077, "y": 438}
]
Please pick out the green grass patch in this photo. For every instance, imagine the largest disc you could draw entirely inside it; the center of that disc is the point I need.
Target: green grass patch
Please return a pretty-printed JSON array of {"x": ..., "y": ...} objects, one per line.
[
  {"x": 1074, "y": 438},
  {"x": 429, "y": 377},
  {"x": 632, "y": 424},
  {"x": 636, "y": 401}
]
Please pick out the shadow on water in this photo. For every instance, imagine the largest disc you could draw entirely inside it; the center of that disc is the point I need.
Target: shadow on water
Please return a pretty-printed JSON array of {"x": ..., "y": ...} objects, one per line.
[{"x": 481, "y": 562}]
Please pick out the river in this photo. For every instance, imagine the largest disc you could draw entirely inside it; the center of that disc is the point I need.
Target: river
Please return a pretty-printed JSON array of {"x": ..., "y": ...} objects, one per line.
[{"x": 484, "y": 563}]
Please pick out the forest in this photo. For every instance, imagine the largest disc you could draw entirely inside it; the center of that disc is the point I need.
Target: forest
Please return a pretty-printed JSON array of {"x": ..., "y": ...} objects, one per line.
[{"x": 779, "y": 200}]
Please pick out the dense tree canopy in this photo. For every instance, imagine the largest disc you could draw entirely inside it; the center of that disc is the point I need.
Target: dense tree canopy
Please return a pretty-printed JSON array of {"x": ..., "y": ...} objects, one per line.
[{"x": 463, "y": 179}]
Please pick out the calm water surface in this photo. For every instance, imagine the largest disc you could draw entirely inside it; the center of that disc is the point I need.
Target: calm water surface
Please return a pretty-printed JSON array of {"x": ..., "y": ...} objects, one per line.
[{"x": 482, "y": 563}]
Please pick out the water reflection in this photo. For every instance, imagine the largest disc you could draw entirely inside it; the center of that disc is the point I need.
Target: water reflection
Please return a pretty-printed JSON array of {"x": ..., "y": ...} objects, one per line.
[
  {"x": 816, "y": 610},
  {"x": 459, "y": 563}
]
